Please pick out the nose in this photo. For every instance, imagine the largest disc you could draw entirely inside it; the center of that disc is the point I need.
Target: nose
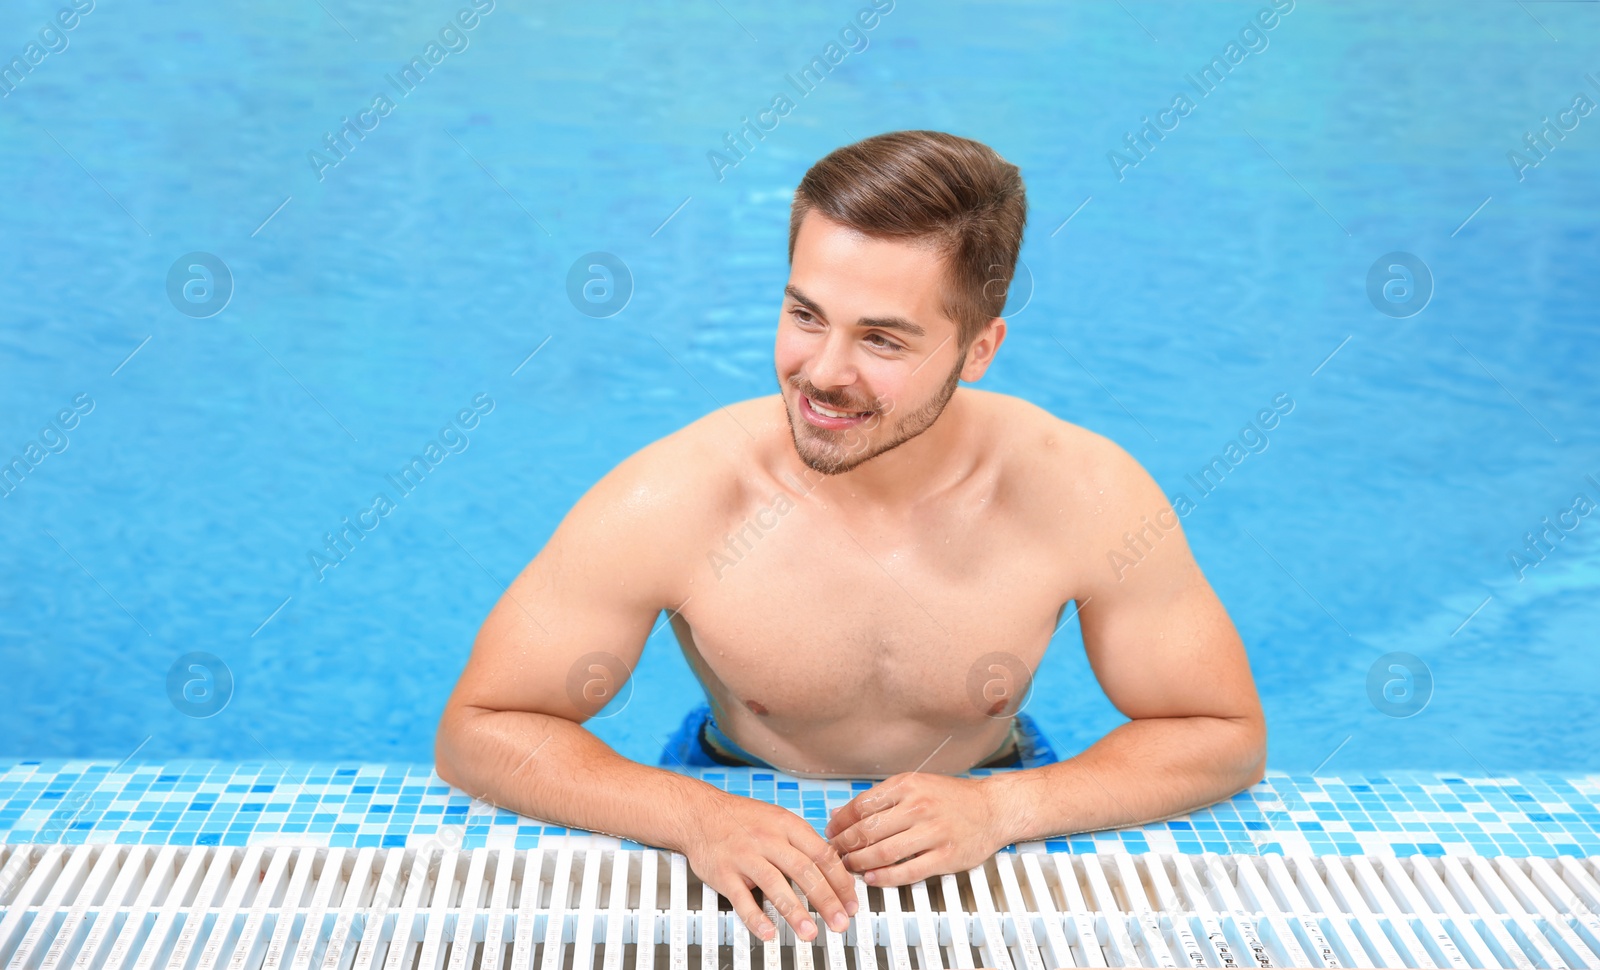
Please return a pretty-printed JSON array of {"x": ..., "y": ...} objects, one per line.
[{"x": 832, "y": 367}]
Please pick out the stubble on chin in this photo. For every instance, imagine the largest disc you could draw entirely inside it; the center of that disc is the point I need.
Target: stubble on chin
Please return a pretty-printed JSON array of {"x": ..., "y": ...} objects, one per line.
[{"x": 835, "y": 458}]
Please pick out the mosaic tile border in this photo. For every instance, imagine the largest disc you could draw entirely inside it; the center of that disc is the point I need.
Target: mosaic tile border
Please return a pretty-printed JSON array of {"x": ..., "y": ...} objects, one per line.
[{"x": 359, "y": 805}]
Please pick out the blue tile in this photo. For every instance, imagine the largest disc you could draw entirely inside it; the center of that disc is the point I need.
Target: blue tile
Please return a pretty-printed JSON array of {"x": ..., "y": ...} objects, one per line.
[{"x": 208, "y": 803}]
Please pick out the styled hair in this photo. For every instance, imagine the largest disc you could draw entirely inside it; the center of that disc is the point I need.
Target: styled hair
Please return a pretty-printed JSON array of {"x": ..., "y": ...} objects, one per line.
[{"x": 957, "y": 193}]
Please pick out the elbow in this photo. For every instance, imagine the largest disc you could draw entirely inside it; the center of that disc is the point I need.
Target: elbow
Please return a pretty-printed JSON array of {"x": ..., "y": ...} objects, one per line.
[
  {"x": 1239, "y": 752},
  {"x": 1253, "y": 750},
  {"x": 1258, "y": 772},
  {"x": 442, "y": 765},
  {"x": 446, "y": 742}
]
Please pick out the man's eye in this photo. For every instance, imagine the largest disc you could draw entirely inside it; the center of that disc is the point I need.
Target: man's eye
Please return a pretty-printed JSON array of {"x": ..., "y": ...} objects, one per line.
[
  {"x": 887, "y": 343},
  {"x": 803, "y": 316}
]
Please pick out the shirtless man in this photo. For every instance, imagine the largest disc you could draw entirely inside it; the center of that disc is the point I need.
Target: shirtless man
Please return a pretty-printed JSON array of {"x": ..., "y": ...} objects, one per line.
[{"x": 884, "y": 557}]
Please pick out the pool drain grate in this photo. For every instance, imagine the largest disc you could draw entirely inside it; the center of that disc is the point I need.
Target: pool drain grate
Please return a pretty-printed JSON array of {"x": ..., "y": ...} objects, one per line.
[{"x": 573, "y": 904}]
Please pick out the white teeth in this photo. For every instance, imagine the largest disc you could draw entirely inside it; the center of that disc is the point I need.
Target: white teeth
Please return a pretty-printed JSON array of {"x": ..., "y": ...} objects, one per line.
[{"x": 830, "y": 414}]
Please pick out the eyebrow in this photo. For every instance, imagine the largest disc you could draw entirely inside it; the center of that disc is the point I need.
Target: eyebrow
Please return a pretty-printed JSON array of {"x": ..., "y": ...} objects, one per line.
[{"x": 882, "y": 323}]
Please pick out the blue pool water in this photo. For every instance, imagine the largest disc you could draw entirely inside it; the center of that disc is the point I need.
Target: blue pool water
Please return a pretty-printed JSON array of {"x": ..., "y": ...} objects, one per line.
[{"x": 374, "y": 299}]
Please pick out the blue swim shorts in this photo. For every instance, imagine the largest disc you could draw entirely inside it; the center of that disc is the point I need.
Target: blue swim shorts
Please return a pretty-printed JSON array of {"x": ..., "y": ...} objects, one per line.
[{"x": 699, "y": 743}]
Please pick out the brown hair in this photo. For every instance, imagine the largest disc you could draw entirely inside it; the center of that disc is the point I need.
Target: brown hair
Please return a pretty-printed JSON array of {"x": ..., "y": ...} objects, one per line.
[{"x": 957, "y": 192}]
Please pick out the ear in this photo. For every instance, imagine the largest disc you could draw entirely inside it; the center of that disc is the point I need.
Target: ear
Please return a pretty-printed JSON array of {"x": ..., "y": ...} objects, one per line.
[{"x": 981, "y": 354}]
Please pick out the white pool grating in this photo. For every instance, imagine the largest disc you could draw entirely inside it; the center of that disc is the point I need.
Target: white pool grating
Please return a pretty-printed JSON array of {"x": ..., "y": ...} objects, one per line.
[{"x": 578, "y": 906}]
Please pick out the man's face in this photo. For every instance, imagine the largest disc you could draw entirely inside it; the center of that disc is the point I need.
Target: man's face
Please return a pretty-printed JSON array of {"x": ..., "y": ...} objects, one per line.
[{"x": 862, "y": 331}]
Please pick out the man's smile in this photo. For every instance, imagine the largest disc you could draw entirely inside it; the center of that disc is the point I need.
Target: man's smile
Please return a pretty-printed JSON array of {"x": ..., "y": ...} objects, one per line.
[{"x": 825, "y": 417}]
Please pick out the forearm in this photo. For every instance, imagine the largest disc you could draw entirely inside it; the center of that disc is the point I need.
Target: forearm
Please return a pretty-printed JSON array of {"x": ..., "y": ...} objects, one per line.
[
  {"x": 555, "y": 770},
  {"x": 1145, "y": 770}
]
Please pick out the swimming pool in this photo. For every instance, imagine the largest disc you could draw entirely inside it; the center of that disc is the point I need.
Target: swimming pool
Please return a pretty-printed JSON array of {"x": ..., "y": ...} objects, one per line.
[{"x": 414, "y": 292}]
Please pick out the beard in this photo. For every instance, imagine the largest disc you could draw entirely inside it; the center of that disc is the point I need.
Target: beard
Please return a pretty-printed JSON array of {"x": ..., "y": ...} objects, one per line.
[{"x": 836, "y": 452}]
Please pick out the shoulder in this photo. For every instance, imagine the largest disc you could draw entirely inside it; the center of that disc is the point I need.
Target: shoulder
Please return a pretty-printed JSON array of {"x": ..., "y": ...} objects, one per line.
[
  {"x": 689, "y": 479},
  {"x": 633, "y": 524},
  {"x": 1054, "y": 444},
  {"x": 678, "y": 474},
  {"x": 1071, "y": 472}
]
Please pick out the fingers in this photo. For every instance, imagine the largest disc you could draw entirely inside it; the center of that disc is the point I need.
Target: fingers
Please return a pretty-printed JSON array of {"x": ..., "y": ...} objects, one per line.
[
  {"x": 874, "y": 799},
  {"x": 843, "y": 817},
  {"x": 871, "y": 830},
  {"x": 904, "y": 873},
  {"x": 819, "y": 873},
  {"x": 780, "y": 896},
  {"x": 885, "y": 797},
  {"x": 744, "y": 904},
  {"x": 842, "y": 881},
  {"x": 878, "y": 860}
]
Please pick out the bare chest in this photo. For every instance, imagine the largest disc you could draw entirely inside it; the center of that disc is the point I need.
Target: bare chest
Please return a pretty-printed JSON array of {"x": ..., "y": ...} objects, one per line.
[{"x": 799, "y": 618}]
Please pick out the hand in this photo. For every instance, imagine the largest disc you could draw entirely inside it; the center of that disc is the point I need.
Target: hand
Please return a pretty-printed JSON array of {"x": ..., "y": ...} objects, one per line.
[
  {"x": 735, "y": 844},
  {"x": 912, "y": 826}
]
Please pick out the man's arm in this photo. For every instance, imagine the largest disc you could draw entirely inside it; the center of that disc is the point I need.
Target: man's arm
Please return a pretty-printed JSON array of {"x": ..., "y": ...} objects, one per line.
[
  {"x": 1168, "y": 657},
  {"x": 561, "y": 641}
]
